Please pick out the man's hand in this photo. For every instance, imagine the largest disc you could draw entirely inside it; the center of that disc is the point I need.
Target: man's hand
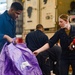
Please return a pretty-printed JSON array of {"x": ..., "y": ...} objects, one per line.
[{"x": 9, "y": 39}]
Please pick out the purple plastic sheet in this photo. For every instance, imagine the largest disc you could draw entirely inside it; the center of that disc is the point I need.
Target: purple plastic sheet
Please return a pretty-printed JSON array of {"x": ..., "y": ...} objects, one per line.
[{"x": 18, "y": 60}]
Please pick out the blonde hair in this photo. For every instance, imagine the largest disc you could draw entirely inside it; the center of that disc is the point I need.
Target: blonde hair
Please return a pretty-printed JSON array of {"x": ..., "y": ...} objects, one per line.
[{"x": 65, "y": 17}]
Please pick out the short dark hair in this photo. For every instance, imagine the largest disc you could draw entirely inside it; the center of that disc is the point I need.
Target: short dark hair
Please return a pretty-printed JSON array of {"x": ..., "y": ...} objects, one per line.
[
  {"x": 17, "y": 6},
  {"x": 39, "y": 26}
]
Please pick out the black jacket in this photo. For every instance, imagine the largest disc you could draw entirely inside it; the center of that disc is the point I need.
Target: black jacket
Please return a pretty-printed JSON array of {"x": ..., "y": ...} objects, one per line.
[
  {"x": 65, "y": 41},
  {"x": 36, "y": 39}
]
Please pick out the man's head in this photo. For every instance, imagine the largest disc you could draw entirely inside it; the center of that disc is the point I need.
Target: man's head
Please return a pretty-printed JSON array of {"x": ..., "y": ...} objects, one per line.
[
  {"x": 39, "y": 27},
  {"x": 15, "y": 10}
]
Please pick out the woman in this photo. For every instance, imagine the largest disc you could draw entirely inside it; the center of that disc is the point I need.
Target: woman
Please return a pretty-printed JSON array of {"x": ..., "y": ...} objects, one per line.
[{"x": 66, "y": 35}]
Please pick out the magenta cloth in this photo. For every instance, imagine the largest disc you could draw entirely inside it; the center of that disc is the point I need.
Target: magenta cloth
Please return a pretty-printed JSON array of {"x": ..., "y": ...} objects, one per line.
[{"x": 18, "y": 60}]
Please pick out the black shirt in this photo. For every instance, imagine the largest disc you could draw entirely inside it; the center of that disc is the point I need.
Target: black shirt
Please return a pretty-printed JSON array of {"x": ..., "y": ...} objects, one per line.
[{"x": 36, "y": 39}]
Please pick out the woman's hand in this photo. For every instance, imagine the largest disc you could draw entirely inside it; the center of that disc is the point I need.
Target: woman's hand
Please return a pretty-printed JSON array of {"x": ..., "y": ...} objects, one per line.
[
  {"x": 72, "y": 46},
  {"x": 36, "y": 52}
]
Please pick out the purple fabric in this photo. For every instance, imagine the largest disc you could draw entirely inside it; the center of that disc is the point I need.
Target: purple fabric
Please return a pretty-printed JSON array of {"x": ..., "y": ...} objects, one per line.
[{"x": 18, "y": 60}]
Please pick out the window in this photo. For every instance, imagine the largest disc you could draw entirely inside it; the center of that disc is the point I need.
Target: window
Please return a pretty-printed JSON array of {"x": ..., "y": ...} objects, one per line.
[{"x": 3, "y": 5}]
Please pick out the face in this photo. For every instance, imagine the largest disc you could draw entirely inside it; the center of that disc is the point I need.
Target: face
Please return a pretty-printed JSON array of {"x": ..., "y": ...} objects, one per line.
[
  {"x": 15, "y": 14},
  {"x": 62, "y": 23}
]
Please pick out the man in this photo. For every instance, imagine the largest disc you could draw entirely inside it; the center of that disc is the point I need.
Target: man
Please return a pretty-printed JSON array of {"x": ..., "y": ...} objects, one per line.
[
  {"x": 35, "y": 40},
  {"x": 8, "y": 24},
  {"x": 54, "y": 55}
]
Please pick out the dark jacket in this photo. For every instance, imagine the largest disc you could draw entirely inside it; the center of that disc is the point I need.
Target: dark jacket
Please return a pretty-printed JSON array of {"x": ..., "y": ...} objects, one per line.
[
  {"x": 7, "y": 26},
  {"x": 65, "y": 41},
  {"x": 36, "y": 39}
]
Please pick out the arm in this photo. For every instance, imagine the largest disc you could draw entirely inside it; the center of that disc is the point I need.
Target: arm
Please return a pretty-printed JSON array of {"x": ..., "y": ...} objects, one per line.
[
  {"x": 9, "y": 39},
  {"x": 3, "y": 36},
  {"x": 4, "y": 31},
  {"x": 1, "y": 28},
  {"x": 51, "y": 42},
  {"x": 43, "y": 48}
]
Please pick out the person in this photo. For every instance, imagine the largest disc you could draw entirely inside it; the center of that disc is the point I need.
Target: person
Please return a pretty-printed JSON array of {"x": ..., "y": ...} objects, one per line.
[
  {"x": 8, "y": 23},
  {"x": 35, "y": 40},
  {"x": 72, "y": 8},
  {"x": 65, "y": 35},
  {"x": 54, "y": 56}
]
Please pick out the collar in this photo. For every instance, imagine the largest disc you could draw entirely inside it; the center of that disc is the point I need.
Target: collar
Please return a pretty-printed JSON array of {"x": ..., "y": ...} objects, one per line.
[{"x": 8, "y": 16}]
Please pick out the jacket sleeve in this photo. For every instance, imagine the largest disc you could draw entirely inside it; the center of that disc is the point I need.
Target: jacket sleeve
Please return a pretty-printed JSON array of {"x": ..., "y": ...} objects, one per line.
[
  {"x": 54, "y": 39},
  {"x": 1, "y": 28}
]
